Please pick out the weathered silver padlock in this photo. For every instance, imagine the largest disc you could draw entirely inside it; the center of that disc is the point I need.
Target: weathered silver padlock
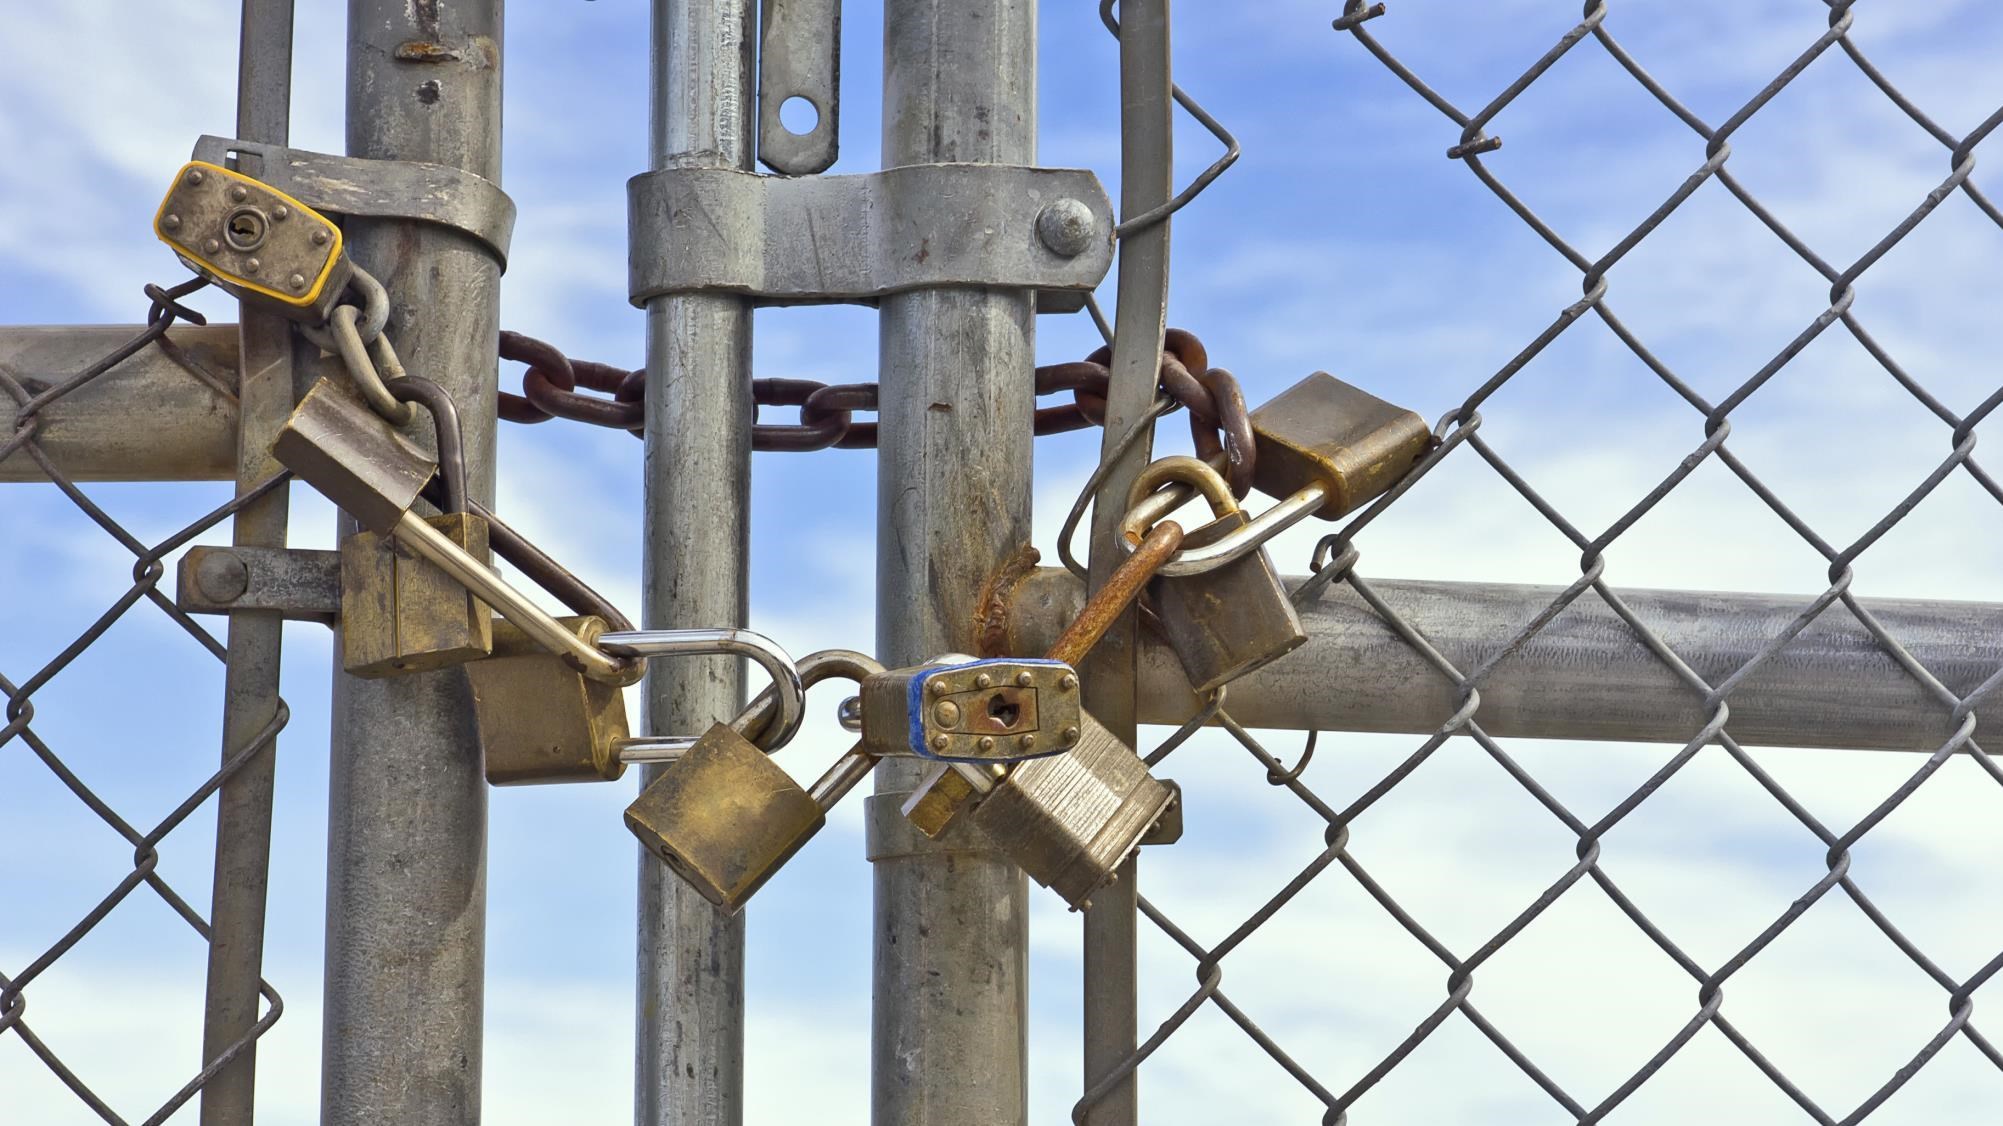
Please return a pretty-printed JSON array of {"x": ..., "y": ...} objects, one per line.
[
  {"x": 963, "y": 709},
  {"x": 400, "y": 612},
  {"x": 254, "y": 241},
  {"x": 725, "y": 818},
  {"x": 1229, "y": 620},
  {"x": 1067, "y": 820},
  {"x": 336, "y": 443}
]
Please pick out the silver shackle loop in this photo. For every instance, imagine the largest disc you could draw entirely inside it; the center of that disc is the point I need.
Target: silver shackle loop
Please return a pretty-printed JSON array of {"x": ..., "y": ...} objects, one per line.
[{"x": 787, "y": 694}]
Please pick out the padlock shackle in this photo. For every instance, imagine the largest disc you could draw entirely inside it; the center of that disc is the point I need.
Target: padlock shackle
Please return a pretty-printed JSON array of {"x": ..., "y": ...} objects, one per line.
[
  {"x": 1178, "y": 469},
  {"x": 451, "y": 446},
  {"x": 510, "y": 603},
  {"x": 788, "y": 690},
  {"x": 755, "y": 722},
  {"x": 1248, "y": 538},
  {"x": 521, "y": 553},
  {"x": 1164, "y": 485}
]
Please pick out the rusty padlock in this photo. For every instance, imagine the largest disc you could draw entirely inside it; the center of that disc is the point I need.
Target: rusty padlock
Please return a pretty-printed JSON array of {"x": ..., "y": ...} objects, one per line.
[{"x": 1228, "y": 620}]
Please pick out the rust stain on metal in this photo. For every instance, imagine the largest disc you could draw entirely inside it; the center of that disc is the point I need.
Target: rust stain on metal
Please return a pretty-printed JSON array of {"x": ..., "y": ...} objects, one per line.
[
  {"x": 426, "y": 51},
  {"x": 991, "y": 609}
]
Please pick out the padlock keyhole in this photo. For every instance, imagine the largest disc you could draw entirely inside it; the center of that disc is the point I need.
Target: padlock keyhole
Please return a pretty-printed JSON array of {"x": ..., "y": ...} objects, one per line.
[
  {"x": 245, "y": 228},
  {"x": 1003, "y": 710}
]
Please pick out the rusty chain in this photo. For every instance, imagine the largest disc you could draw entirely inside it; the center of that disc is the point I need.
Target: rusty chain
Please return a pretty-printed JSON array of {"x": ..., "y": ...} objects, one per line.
[{"x": 556, "y": 386}]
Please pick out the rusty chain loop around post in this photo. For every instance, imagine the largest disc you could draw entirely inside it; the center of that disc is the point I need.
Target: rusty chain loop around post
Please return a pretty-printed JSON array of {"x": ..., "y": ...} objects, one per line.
[{"x": 556, "y": 386}]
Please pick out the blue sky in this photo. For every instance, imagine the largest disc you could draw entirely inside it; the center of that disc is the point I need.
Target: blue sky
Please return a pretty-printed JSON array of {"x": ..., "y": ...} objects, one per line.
[{"x": 1343, "y": 240}]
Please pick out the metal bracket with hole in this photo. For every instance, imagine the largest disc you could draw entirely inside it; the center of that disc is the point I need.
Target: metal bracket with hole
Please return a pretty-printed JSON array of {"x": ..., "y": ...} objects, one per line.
[
  {"x": 301, "y": 585},
  {"x": 799, "y": 56},
  {"x": 855, "y": 239},
  {"x": 375, "y": 189}
]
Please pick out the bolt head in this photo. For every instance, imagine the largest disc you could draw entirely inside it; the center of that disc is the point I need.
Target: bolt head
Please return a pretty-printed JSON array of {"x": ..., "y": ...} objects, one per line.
[
  {"x": 1026, "y": 742},
  {"x": 1067, "y": 682},
  {"x": 211, "y": 246},
  {"x": 1070, "y": 735},
  {"x": 280, "y": 214},
  {"x": 170, "y": 223},
  {"x": 239, "y": 193},
  {"x": 940, "y": 742},
  {"x": 222, "y": 575},
  {"x": 984, "y": 681},
  {"x": 1025, "y": 678},
  {"x": 195, "y": 176},
  {"x": 936, "y": 686},
  {"x": 985, "y": 743},
  {"x": 1066, "y": 227},
  {"x": 320, "y": 236},
  {"x": 252, "y": 265},
  {"x": 947, "y": 714},
  {"x": 296, "y": 281}
]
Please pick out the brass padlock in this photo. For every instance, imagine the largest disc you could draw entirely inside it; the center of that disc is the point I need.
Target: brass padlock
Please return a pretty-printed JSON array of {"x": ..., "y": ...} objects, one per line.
[
  {"x": 725, "y": 817},
  {"x": 254, "y": 241},
  {"x": 401, "y": 612},
  {"x": 335, "y": 442},
  {"x": 962, "y": 709},
  {"x": 1323, "y": 433},
  {"x": 541, "y": 720},
  {"x": 1071, "y": 820},
  {"x": 1233, "y": 618}
]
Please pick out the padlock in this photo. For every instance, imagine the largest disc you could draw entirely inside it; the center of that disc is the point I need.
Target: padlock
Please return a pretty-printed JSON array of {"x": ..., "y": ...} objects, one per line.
[
  {"x": 339, "y": 445},
  {"x": 254, "y": 241},
  {"x": 960, "y": 709},
  {"x": 541, "y": 720},
  {"x": 725, "y": 817},
  {"x": 335, "y": 442},
  {"x": 401, "y": 612},
  {"x": 1071, "y": 820},
  {"x": 1323, "y": 432},
  {"x": 1233, "y": 618}
]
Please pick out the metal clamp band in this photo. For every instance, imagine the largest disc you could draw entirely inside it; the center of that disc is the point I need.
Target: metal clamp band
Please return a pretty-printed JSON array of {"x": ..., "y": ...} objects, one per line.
[
  {"x": 377, "y": 189},
  {"x": 831, "y": 239}
]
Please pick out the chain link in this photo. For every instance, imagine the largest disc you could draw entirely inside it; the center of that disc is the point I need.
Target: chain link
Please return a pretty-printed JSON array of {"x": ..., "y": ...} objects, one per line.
[{"x": 556, "y": 386}]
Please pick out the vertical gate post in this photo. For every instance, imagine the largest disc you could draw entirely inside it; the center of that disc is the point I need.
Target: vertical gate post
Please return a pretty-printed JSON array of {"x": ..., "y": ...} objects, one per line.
[
  {"x": 250, "y": 678},
  {"x": 690, "y": 1049},
  {"x": 407, "y": 816},
  {"x": 1146, "y": 145},
  {"x": 953, "y": 476}
]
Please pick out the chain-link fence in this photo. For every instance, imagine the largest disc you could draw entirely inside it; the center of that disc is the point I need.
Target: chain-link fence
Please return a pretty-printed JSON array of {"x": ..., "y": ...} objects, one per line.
[
  {"x": 1343, "y": 1075},
  {"x": 72, "y": 768},
  {"x": 1306, "y": 887}
]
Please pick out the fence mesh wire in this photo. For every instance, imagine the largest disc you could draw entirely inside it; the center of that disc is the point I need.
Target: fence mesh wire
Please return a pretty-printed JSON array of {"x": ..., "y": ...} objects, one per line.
[
  {"x": 30, "y": 395},
  {"x": 1337, "y": 558}
]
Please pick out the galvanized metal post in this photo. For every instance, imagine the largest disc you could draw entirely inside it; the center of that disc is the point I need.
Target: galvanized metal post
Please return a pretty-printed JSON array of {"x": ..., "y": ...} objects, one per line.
[
  {"x": 690, "y": 1037},
  {"x": 407, "y": 824},
  {"x": 953, "y": 476},
  {"x": 1146, "y": 149},
  {"x": 250, "y": 678}
]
